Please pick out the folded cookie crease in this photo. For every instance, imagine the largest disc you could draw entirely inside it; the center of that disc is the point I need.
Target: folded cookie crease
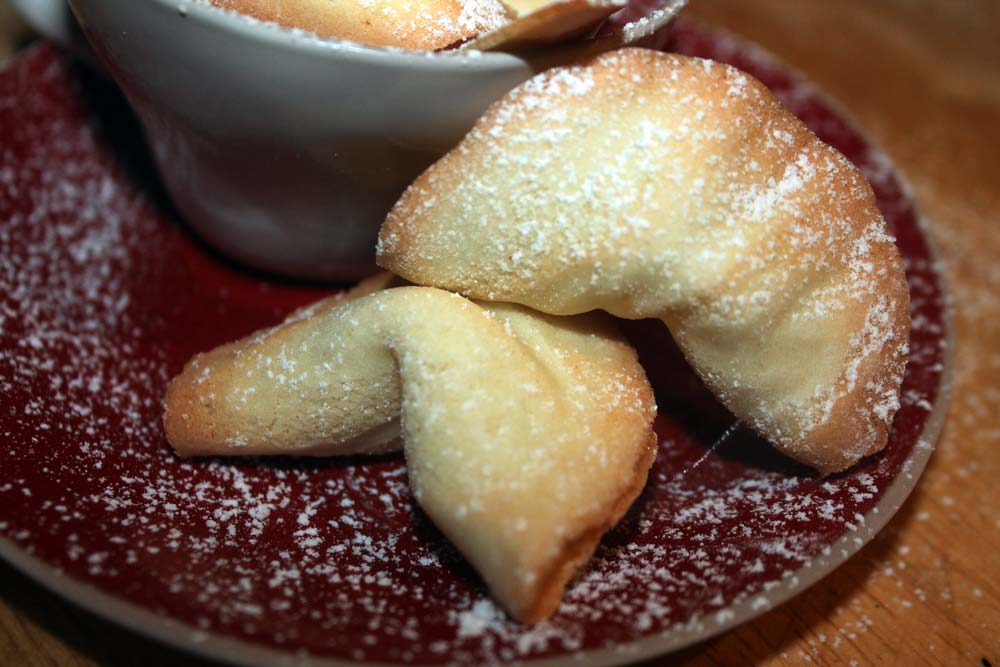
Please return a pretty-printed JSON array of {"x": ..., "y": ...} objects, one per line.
[{"x": 526, "y": 436}]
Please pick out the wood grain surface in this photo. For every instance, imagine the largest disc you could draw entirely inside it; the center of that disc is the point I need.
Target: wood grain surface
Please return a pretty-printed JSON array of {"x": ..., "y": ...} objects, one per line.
[{"x": 923, "y": 78}]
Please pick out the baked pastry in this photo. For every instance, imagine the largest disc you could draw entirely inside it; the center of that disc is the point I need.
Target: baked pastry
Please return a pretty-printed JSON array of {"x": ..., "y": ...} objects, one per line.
[
  {"x": 538, "y": 24},
  {"x": 426, "y": 25},
  {"x": 660, "y": 186},
  {"x": 526, "y": 436}
]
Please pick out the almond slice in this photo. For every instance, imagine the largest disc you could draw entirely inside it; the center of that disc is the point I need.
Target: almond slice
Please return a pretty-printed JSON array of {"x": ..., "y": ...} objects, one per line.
[{"x": 550, "y": 23}]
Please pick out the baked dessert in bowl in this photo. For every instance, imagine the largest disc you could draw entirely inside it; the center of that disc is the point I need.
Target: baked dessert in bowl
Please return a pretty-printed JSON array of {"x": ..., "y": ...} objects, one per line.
[
  {"x": 417, "y": 25},
  {"x": 433, "y": 25}
]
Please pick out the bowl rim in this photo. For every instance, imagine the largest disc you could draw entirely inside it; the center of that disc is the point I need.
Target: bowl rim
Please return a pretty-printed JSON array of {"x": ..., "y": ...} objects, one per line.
[{"x": 296, "y": 40}]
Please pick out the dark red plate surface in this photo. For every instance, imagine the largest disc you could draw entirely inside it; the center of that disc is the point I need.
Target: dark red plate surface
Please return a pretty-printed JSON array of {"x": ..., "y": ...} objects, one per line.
[{"x": 104, "y": 295}]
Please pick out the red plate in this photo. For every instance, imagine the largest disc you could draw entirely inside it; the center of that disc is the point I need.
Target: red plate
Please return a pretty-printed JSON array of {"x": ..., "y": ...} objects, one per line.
[{"x": 104, "y": 295}]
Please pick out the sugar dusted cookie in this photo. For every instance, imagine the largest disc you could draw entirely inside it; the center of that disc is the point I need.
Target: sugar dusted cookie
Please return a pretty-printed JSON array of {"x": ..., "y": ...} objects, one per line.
[
  {"x": 660, "y": 186},
  {"x": 526, "y": 436},
  {"x": 426, "y": 25}
]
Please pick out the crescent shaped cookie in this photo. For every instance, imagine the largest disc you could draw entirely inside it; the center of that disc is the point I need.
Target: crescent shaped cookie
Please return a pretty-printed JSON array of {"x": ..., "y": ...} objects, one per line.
[
  {"x": 660, "y": 186},
  {"x": 419, "y": 25},
  {"x": 526, "y": 436}
]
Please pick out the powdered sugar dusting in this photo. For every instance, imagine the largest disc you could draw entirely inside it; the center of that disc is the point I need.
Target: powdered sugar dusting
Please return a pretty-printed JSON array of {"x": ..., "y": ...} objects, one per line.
[{"x": 102, "y": 298}]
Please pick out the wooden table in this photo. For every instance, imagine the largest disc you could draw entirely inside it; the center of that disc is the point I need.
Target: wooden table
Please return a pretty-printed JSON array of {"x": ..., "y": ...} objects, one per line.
[{"x": 923, "y": 77}]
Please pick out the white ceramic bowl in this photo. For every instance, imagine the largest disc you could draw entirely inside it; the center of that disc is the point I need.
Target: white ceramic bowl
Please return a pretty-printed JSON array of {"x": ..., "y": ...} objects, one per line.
[{"x": 283, "y": 150}]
